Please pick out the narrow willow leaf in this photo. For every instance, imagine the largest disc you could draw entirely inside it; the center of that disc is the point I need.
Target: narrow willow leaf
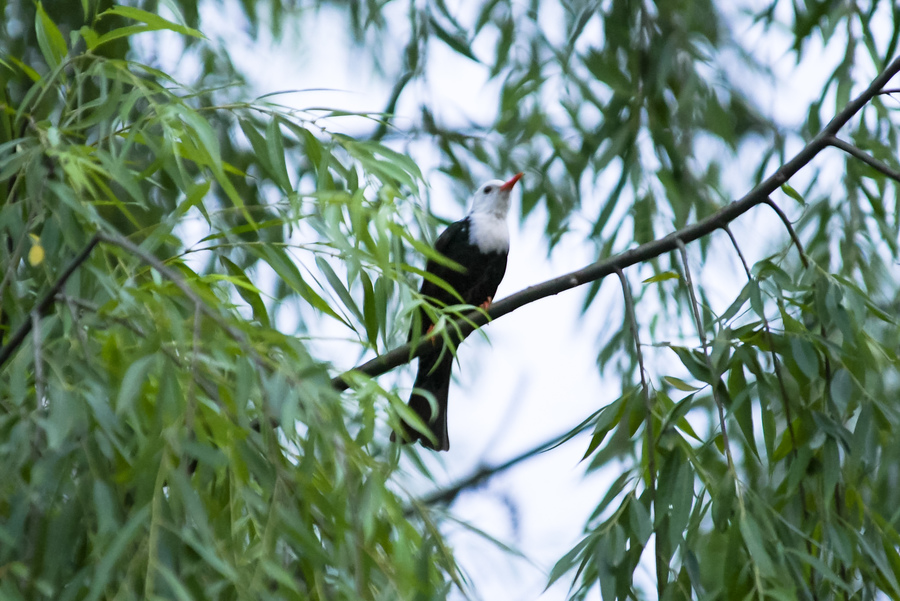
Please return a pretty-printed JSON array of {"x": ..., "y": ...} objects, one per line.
[
  {"x": 662, "y": 277},
  {"x": 456, "y": 41},
  {"x": 247, "y": 291},
  {"x": 111, "y": 555},
  {"x": 787, "y": 189},
  {"x": 758, "y": 550},
  {"x": 50, "y": 39},
  {"x": 805, "y": 355},
  {"x": 338, "y": 286},
  {"x": 152, "y": 22},
  {"x": 680, "y": 384},
  {"x": 287, "y": 270},
  {"x": 275, "y": 150},
  {"x": 133, "y": 382}
]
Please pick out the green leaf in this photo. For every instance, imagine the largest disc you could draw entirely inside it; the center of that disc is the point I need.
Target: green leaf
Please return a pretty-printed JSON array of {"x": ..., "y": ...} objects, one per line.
[
  {"x": 787, "y": 189},
  {"x": 151, "y": 22},
  {"x": 50, "y": 39},
  {"x": 259, "y": 145},
  {"x": 457, "y": 42},
  {"x": 567, "y": 562},
  {"x": 133, "y": 382},
  {"x": 369, "y": 311},
  {"x": 275, "y": 149},
  {"x": 247, "y": 291},
  {"x": 286, "y": 269},
  {"x": 842, "y": 390},
  {"x": 113, "y": 553},
  {"x": 694, "y": 362},
  {"x": 723, "y": 502},
  {"x": 607, "y": 418},
  {"x": 754, "y": 542},
  {"x": 662, "y": 277},
  {"x": 338, "y": 286},
  {"x": 805, "y": 355},
  {"x": 680, "y": 384},
  {"x": 639, "y": 519}
]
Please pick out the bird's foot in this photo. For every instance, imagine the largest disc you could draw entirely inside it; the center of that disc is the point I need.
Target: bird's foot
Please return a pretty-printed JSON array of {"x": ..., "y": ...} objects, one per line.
[{"x": 486, "y": 304}]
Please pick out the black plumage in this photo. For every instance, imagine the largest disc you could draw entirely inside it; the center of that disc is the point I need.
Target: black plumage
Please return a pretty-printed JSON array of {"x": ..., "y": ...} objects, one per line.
[{"x": 479, "y": 244}]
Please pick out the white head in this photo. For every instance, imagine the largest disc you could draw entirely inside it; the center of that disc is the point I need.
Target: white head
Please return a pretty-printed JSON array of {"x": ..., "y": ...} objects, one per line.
[{"x": 493, "y": 197}]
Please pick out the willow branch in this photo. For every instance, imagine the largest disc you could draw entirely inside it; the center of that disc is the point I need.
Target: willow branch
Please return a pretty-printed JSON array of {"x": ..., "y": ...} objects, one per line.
[
  {"x": 661, "y": 564},
  {"x": 601, "y": 269},
  {"x": 790, "y": 228},
  {"x": 484, "y": 472},
  {"x": 865, "y": 158},
  {"x": 776, "y": 364}
]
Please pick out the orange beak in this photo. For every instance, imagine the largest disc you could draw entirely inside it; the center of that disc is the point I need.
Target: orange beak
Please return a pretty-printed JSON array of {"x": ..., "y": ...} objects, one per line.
[{"x": 509, "y": 185}]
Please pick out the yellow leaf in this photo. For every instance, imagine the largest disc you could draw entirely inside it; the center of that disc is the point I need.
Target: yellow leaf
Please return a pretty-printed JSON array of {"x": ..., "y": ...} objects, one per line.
[{"x": 36, "y": 254}]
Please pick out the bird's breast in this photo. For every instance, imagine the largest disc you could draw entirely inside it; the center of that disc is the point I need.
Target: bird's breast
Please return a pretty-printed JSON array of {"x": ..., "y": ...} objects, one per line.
[{"x": 489, "y": 233}]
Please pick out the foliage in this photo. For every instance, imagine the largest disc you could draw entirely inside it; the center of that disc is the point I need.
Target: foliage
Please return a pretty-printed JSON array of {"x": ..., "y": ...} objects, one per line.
[
  {"x": 134, "y": 460},
  {"x": 758, "y": 447}
]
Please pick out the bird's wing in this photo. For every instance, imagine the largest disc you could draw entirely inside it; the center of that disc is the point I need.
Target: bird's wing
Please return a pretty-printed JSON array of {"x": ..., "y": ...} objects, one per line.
[
  {"x": 456, "y": 232},
  {"x": 448, "y": 244}
]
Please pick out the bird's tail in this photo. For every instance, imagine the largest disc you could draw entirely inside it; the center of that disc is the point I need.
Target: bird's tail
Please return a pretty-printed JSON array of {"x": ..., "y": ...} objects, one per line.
[{"x": 433, "y": 377}]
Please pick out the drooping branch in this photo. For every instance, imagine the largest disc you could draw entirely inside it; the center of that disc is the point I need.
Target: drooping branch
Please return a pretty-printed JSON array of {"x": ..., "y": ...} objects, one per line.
[
  {"x": 865, "y": 158},
  {"x": 484, "y": 472},
  {"x": 604, "y": 267},
  {"x": 661, "y": 563},
  {"x": 790, "y": 228}
]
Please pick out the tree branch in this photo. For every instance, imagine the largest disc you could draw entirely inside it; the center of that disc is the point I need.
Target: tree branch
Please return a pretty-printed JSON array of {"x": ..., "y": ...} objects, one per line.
[
  {"x": 600, "y": 269},
  {"x": 484, "y": 472},
  {"x": 790, "y": 228},
  {"x": 662, "y": 566},
  {"x": 865, "y": 158}
]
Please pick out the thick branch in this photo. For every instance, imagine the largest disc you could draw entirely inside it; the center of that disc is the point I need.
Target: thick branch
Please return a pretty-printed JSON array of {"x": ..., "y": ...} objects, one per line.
[{"x": 644, "y": 252}]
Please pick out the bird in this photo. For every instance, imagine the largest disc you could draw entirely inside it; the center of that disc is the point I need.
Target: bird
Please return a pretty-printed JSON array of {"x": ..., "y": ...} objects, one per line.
[{"x": 479, "y": 245}]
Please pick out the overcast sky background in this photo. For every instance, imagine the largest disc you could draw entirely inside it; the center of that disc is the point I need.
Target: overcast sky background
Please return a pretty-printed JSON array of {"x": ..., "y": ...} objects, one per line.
[{"x": 537, "y": 377}]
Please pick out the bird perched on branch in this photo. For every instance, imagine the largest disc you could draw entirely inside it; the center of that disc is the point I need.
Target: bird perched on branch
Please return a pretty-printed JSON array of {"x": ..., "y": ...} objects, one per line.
[{"x": 479, "y": 245}]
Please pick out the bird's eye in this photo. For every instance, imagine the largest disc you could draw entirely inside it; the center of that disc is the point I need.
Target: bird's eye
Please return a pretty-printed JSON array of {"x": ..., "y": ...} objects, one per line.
[{"x": 487, "y": 189}]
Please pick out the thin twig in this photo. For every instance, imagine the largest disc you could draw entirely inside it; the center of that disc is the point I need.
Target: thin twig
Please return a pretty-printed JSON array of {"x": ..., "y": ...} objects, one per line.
[
  {"x": 482, "y": 473},
  {"x": 195, "y": 353},
  {"x": 662, "y": 567},
  {"x": 779, "y": 376},
  {"x": 79, "y": 332},
  {"x": 790, "y": 228},
  {"x": 865, "y": 158},
  {"x": 713, "y": 376},
  {"x": 38, "y": 357},
  {"x": 776, "y": 364}
]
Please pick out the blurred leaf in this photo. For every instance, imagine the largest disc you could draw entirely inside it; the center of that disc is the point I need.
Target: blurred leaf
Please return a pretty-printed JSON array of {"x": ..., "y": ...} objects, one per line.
[
  {"x": 50, "y": 39},
  {"x": 787, "y": 189},
  {"x": 662, "y": 277},
  {"x": 457, "y": 41}
]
